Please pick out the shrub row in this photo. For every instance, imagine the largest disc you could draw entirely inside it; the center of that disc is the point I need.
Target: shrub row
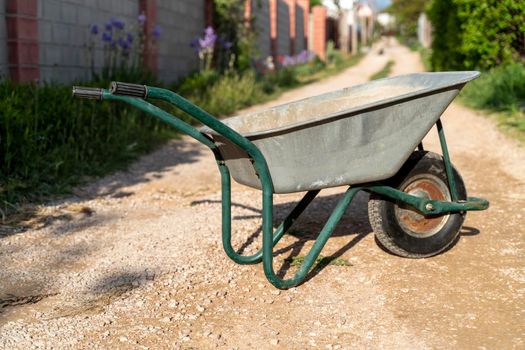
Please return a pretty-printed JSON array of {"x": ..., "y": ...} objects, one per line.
[{"x": 479, "y": 34}]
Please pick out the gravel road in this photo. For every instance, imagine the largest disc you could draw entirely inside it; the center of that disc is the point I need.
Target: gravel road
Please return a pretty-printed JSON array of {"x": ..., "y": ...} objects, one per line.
[{"x": 134, "y": 260}]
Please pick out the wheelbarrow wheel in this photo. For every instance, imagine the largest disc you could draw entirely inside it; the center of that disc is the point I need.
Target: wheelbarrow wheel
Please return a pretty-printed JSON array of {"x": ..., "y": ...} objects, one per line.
[{"x": 402, "y": 230}]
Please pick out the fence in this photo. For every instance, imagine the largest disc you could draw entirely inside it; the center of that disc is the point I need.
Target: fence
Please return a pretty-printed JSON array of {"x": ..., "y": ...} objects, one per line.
[{"x": 48, "y": 40}]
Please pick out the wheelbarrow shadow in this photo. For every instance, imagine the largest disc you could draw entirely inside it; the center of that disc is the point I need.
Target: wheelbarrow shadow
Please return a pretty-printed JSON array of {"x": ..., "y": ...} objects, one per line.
[
  {"x": 307, "y": 227},
  {"x": 119, "y": 184}
]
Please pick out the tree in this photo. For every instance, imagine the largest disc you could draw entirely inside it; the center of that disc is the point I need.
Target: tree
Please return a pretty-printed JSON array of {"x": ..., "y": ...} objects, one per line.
[
  {"x": 477, "y": 34},
  {"x": 406, "y": 13},
  {"x": 315, "y": 3}
]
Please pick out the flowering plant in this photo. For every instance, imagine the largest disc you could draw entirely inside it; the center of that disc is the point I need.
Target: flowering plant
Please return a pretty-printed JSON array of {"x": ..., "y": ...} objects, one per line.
[
  {"x": 303, "y": 57},
  {"x": 207, "y": 46},
  {"x": 122, "y": 45}
]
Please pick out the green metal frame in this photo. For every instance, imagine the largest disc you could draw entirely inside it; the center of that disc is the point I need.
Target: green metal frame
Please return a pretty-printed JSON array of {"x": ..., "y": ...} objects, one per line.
[{"x": 271, "y": 238}]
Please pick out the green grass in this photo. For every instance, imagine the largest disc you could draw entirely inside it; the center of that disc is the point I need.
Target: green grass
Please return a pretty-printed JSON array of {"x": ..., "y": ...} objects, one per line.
[
  {"x": 426, "y": 56},
  {"x": 321, "y": 261},
  {"x": 502, "y": 92},
  {"x": 339, "y": 64},
  {"x": 499, "y": 92},
  {"x": 51, "y": 142},
  {"x": 384, "y": 72}
]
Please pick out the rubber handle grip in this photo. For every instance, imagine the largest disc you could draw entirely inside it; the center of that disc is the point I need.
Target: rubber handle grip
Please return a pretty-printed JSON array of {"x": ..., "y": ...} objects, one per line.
[
  {"x": 126, "y": 89},
  {"x": 87, "y": 93}
]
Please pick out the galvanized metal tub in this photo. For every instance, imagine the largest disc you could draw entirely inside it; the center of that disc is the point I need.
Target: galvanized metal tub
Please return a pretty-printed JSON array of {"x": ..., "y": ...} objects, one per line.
[{"x": 356, "y": 135}]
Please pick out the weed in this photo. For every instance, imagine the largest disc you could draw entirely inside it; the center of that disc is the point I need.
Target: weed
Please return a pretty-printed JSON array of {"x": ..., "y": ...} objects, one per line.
[
  {"x": 321, "y": 261},
  {"x": 384, "y": 72}
]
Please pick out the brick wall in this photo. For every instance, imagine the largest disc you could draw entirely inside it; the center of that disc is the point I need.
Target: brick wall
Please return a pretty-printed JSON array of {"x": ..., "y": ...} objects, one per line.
[
  {"x": 318, "y": 31},
  {"x": 181, "y": 21},
  {"x": 3, "y": 41},
  {"x": 64, "y": 30}
]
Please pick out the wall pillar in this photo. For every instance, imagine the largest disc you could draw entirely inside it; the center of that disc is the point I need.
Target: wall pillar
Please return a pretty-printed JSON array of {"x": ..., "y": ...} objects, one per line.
[
  {"x": 273, "y": 28},
  {"x": 208, "y": 13},
  {"x": 22, "y": 40},
  {"x": 150, "y": 51},
  {"x": 319, "y": 31},
  {"x": 247, "y": 12}
]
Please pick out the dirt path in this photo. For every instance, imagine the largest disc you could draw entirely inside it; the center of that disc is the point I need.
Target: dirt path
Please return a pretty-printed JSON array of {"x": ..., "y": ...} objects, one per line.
[{"x": 135, "y": 260}]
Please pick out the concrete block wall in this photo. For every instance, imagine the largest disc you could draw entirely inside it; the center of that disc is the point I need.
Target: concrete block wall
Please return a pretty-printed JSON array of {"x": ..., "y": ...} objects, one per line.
[
  {"x": 283, "y": 28},
  {"x": 275, "y": 26},
  {"x": 60, "y": 34},
  {"x": 181, "y": 21},
  {"x": 261, "y": 13},
  {"x": 64, "y": 33},
  {"x": 3, "y": 41},
  {"x": 299, "y": 29}
]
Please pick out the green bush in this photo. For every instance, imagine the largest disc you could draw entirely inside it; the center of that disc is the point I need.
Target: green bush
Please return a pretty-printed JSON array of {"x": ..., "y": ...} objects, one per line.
[
  {"x": 282, "y": 78},
  {"x": 314, "y": 66},
  {"x": 197, "y": 82},
  {"x": 478, "y": 34},
  {"x": 501, "y": 88},
  {"x": 229, "y": 93},
  {"x": 407, "y": 13}
]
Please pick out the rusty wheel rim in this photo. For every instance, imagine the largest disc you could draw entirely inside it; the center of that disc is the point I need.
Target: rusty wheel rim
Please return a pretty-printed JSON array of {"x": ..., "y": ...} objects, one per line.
[{"x": 413, "y": 222}]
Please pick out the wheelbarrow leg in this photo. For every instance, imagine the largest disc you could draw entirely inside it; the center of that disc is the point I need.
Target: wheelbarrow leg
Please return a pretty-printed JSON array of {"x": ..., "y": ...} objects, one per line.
[
  {"x": 275, "y": 237},
  {"x": 446, "y": 160},
  {"x": 311, "y": 257}
]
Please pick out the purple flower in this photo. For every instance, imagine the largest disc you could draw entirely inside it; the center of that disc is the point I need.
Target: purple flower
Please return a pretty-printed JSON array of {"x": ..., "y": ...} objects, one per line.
[
  {"x": 141, "y": 18},
  {"x": 129, "y": 37},
  {"x": 94, "y": 29},
  {"x": 209, "y": 31},
  {"x": 106, "y": 36},
  {"x": 117, "y": 23},
  {"x": 288, "y": 61},
  {"x": 123, "y": 43},
  {"x": 224, "y": 43},
  {"x": 108, "y": 26},
  {"x": 194, "y": 44},
  {"x": 208, "y": 42},
  {"x": 157, "y": 31}
]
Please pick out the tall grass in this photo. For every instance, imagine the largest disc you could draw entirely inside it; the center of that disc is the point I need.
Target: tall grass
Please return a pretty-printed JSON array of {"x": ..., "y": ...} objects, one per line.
[
  {"x": 49, "y": 140},
  {"x": 501, "y": 89}
]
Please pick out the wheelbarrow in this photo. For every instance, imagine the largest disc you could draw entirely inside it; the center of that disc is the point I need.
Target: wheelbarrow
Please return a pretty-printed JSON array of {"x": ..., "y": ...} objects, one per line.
[{"x": 367, "y": 137}]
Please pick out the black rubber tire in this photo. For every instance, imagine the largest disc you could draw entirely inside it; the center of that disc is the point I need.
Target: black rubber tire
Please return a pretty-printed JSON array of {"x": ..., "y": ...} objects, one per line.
[{"x": 387, "y": 229}]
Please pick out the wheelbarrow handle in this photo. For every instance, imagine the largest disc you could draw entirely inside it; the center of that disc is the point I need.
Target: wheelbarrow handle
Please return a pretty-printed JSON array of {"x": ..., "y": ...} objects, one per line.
[
  {"x": 119, "y": 89},
  {"x": 127, "y": 89},
  {"x": 87, "y": 92}
]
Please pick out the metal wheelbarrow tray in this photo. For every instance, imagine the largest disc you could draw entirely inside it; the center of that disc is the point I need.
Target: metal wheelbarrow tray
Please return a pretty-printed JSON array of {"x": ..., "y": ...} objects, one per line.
[{"x": 364, "y": 137}]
